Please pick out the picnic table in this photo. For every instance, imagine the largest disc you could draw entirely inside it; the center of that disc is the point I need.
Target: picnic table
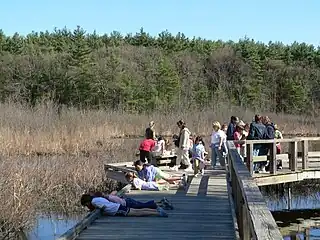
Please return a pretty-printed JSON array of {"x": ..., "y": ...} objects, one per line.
[{"x": 166, "y": 159}]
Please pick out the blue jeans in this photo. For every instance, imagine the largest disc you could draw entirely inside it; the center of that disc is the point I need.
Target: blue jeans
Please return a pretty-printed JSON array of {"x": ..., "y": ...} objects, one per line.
[
  {"x": 215, "y": 155},
  {"x": 259, "y": 150},
  {"x": 131, "y": 203}
]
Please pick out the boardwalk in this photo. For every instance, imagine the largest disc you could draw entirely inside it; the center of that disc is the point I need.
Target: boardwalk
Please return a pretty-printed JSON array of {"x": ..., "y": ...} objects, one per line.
[{"x": 202, "y": 211}]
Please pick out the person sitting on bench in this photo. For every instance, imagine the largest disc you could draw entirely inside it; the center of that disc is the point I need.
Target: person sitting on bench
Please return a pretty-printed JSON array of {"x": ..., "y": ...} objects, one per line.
[
  {"x": 121, "y": 207},
  {"x": 151, "y": 173}
]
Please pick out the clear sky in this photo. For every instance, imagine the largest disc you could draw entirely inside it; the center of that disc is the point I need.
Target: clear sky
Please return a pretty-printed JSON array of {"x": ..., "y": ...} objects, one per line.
[{"x": 277, "y": 20}]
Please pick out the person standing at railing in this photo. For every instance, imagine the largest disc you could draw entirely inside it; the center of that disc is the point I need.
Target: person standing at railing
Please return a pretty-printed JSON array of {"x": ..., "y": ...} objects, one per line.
[
  {"x": 238, "y": 136},
  {"x": 243, "y": 150},
  {"x": 232, "y": 127},
  {"x": 278, "y": 135},
  {"x": 257, "y": 132}
]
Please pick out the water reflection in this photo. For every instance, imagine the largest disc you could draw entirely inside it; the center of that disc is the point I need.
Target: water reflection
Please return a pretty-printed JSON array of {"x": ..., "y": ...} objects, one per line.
[
  {"x": 51, "y": 227},
  {"x": 302, "y": 221}
]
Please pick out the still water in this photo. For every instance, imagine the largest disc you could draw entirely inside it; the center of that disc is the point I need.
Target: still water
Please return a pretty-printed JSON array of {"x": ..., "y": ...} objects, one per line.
[
  {"x": 51, "y": 227},
  {"x": 291, "y": 223}
]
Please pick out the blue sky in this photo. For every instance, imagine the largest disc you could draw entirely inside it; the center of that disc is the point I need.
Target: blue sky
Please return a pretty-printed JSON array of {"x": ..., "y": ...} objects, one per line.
[{"x": 277, "y": 20}]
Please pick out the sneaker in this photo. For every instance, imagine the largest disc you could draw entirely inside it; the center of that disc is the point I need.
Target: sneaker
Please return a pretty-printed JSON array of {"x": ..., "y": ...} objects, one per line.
[
  {"x": 167, "y": 204},
  {"x": 161, "y": 212},
  {"x": 196, "y": 175},
  {"x": 184, "y": 180}
]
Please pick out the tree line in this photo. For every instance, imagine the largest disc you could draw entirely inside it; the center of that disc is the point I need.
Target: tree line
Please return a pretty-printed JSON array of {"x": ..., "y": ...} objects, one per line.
[{"x": 141, "y": 73}]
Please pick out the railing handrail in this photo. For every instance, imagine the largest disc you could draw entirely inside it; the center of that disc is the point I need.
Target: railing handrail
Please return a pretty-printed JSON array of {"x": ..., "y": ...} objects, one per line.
[
  {"x": 255, "y": 220},
  {"x": 285, "y": 140}
]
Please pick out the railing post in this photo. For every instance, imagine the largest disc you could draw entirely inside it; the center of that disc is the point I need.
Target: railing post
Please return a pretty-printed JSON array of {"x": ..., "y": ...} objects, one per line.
[
  {"x": 293, "y": 150},
  {"x": 249, "y": 162},
  {"x": 305, "y": 150},
  {"x": 273, "y": 158},
  {"x": 244, "y": 223}
]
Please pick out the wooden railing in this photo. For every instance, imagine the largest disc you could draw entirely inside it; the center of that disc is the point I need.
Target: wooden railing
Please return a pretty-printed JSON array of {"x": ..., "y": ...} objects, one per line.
[
  {"x": 272, "y": 157},
  {"x": 255, "y": 221}
]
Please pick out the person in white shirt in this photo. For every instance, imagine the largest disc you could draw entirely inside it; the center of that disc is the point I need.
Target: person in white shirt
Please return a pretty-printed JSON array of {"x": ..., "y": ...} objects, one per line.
[
  {"x": 218, "y": 145},
  {"x": 160, "y": 146},
  {"x": 118, "y": 208}
]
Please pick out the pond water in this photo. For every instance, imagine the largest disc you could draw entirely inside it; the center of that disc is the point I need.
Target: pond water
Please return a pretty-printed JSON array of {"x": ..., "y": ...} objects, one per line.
[
  {"x": 51, "y": 227},
  {"x": 303, "y": 215}
]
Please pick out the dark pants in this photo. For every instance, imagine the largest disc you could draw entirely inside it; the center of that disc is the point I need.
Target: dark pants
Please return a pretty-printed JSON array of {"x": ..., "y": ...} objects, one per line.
[
  {"x": 145, "y": 155},
  {"x": 131, "y": 203}
]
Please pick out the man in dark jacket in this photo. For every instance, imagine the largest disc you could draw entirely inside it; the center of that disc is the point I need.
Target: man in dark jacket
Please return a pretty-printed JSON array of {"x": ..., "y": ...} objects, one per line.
[
  {"x": 257, "y": 132},
  {"x": 232, "y": 127}
]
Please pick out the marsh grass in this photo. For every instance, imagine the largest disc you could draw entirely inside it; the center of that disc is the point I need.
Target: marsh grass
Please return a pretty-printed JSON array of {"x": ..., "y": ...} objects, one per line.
[
  {"x": 46, "y": 130},
  {"x": 33, "y": 185},
  {"x": 50, "y": 156}
]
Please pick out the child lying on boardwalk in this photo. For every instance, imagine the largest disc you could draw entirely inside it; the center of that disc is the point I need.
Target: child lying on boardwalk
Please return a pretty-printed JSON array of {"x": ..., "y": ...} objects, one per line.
[
  {"x": 140, "y": 184},
  {"x": 113, "y": 205},
  {"x": 151, "y": 173}
]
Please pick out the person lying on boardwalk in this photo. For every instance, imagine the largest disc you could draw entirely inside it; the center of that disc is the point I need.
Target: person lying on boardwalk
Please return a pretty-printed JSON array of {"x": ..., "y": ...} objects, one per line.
[
  {"x": 114, "y": 197},
  {"x": 140, "y": 184},
  {"x": 151, "y": 173},
  {"x": 116, "y": 206}
]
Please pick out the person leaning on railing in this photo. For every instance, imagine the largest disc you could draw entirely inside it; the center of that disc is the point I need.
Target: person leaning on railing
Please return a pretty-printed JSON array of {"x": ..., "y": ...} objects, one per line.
[{"x": 278, "y": 135}]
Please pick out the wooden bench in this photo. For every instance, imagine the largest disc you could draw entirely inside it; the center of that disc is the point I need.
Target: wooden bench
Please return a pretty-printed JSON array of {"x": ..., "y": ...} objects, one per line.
[
  {"x": 283, "y": 157},
  {"x": 169, "y": 160},
  {"x": 163, "y": 160}
]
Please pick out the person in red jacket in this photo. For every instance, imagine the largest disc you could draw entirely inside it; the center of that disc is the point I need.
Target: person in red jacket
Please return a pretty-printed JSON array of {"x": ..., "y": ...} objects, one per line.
[{"x": 146, "y": 147}]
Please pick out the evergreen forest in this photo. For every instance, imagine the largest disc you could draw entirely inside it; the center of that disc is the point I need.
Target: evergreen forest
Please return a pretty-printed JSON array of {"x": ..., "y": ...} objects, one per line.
[{"x": 142, "y": 73}]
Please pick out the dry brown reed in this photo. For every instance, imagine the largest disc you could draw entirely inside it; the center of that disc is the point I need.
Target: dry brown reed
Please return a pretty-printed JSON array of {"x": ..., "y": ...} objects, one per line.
[
  {"x": 31, "y": 185},
  {"x": 50, "y": 157},
  {"x": 42, "y": 130}
]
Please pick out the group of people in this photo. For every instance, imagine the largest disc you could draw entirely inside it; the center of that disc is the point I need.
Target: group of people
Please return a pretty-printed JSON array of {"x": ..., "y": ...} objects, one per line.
[
  {"x": 260, "y": 128},
  {"x": 191, "y": 156},
  {"x": 191, "y": 149}
]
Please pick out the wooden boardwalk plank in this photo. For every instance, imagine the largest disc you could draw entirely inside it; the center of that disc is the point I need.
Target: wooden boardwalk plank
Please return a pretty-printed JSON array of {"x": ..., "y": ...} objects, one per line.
[{"x": 202, "y": 211}]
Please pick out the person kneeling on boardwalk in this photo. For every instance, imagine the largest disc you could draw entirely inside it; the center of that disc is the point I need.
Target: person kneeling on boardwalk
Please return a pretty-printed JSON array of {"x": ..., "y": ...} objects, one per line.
[
  {"x": 151, "y": 173},
  {"x": 119, "y": 206},
  {"x": 140, "y": 184}
]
